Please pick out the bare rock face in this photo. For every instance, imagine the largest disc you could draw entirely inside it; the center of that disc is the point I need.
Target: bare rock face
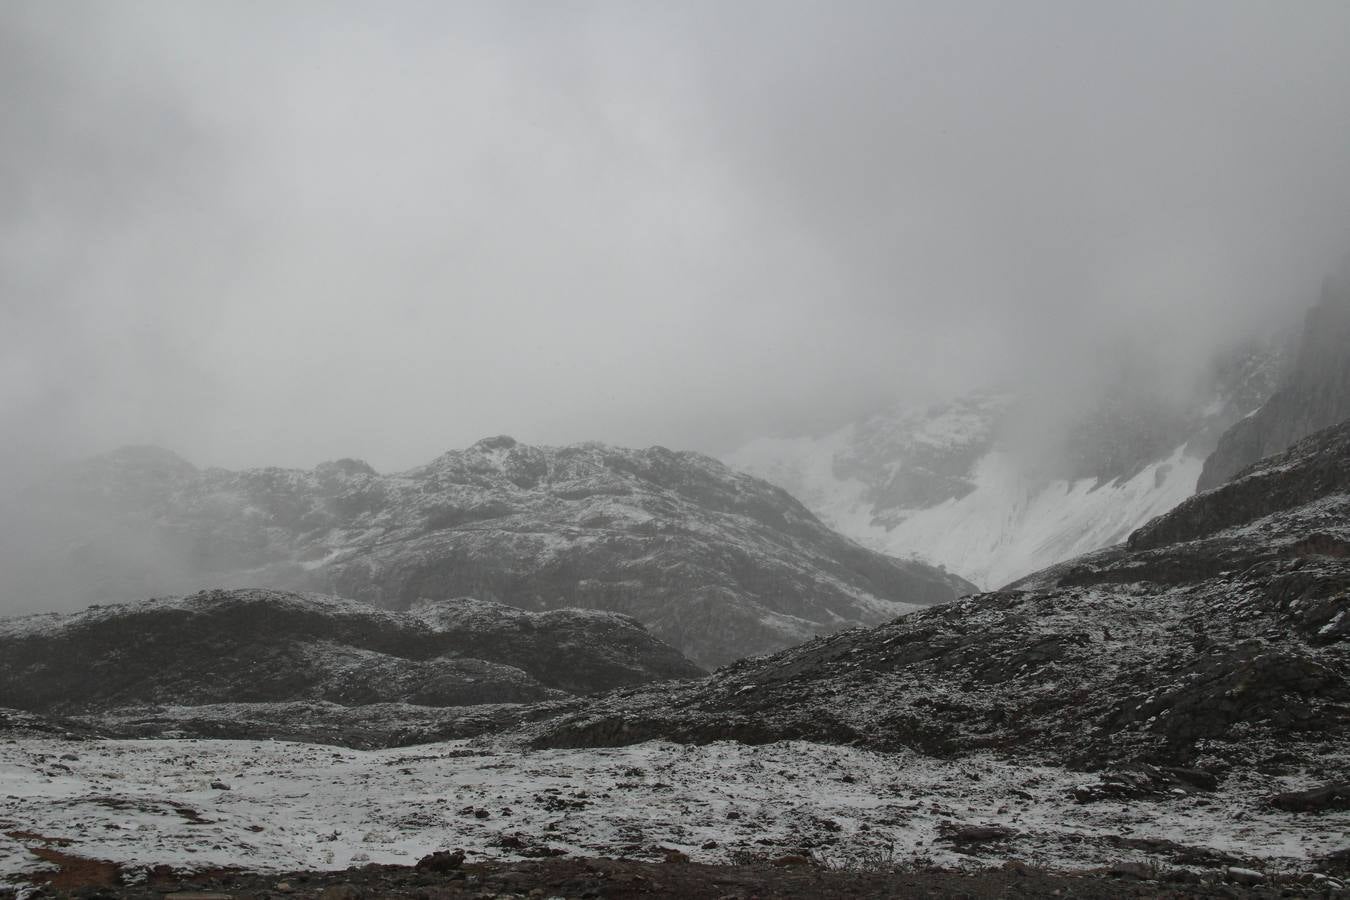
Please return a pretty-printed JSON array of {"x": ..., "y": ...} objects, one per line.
[
  {"x": 1314, "y": 395},
  {"x": 719, "y": 564},
  {"x": 1218, "y": 636},
  {"x": 260, "y": 647}
]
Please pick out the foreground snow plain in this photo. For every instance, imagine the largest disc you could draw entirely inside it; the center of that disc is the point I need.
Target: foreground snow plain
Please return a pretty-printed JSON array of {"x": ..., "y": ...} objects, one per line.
[{"x": 272, "y": 805}]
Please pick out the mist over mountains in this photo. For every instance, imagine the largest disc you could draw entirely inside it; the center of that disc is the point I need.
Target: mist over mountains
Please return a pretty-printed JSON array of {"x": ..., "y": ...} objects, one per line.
[{"x": 654, "y": 228}]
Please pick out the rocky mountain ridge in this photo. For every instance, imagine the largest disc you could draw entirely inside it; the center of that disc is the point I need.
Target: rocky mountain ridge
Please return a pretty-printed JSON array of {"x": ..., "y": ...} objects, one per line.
[{"x": 719, "y": 564}]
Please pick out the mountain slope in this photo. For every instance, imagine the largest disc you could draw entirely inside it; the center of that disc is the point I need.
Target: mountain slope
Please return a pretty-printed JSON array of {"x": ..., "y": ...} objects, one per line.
[
  {"x": 1218, "y": 638},
  {"x": 1314, "y": 394},
  {"x": 717, "y": 563},
  {"x": 975, "y": 485}
]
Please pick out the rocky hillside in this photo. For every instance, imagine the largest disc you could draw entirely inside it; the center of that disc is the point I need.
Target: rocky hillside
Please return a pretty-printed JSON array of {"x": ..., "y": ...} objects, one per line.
[
  {"x": 1218, "y": 639},
  {"x": 719, "y": 564},
  {"x": 1313, "y": 395},
  {"x": 994, "y": 485},
  {"x": 243, "y": 646}
]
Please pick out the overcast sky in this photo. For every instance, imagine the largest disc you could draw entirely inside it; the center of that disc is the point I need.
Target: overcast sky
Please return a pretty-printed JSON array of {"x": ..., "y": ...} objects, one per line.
[{"x": 278, "y": 233}]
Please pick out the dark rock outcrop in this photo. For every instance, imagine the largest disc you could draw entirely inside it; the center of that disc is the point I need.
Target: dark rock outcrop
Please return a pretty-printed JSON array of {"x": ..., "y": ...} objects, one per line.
[
  {"x": 1315, "y": 394},
  {"x": 1322, "y": 799},
  {"x": 719, "y": 564}
]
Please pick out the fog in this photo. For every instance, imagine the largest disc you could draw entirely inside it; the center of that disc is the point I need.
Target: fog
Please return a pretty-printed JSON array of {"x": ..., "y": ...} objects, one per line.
[{"x": 263, "y": 233}]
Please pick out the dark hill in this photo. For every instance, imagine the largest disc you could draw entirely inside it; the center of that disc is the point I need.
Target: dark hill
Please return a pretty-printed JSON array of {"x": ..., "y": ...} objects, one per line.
[{"x": 259, "y": 646}]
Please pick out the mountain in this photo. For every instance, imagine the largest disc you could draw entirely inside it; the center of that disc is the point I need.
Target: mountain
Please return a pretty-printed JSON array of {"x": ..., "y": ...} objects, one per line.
[
  {"x": 992, "y": 485},
  {"x": 716, "y": 563},
  {"x": 1314, "y": 394},
  {"x": 318, "y": 658},
  {"x": 1215, "y": 641}
]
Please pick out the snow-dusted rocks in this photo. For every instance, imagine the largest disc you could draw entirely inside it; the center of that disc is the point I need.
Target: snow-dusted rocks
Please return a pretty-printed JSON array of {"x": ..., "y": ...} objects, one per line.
[{"x": 719, "y": 564}]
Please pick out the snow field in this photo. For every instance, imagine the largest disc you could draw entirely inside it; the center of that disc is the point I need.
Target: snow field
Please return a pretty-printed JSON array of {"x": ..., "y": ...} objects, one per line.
[{"x": 289, "y": 806}]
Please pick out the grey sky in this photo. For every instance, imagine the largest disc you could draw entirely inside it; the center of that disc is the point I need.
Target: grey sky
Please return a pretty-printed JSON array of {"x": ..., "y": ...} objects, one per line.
[{"x": 261, "y": 233}]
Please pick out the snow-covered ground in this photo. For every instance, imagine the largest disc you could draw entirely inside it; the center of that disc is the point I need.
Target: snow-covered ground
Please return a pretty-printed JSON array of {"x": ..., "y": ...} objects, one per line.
[{"x": 275, "y": 805}]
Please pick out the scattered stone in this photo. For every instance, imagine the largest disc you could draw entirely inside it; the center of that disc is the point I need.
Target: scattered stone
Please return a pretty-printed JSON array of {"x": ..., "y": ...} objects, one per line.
[
  {"x": 1239, "y": 875},
  {"x": 1136, "y": 871},
  {"x": 973, "y": 834},
  {"x": 1182, "y": 876},
  {"x": 441, "y": 861},
  {"x": 1327, "y": 797},
  {"x": 341, "y": 892},
  {"x": 1197, "y": 778}
]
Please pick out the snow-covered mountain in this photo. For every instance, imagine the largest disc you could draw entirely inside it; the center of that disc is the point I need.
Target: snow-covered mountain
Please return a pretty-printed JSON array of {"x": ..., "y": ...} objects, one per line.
[
  {"x": 717, "y": 563},
  {"x": 974, "y": 486}
]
